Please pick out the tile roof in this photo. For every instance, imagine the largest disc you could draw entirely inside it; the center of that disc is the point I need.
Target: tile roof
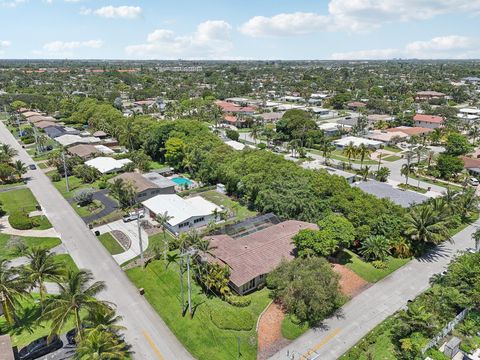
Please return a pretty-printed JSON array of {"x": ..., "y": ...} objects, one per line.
[
  {"x": 258, "y": 253},
  {"x": 428, "y": 118},
  {"x": 411, "y": 130}
]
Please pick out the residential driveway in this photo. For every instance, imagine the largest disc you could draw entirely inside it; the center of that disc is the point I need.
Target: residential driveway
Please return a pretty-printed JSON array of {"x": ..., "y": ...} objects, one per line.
[
  {"x": 131, "y": 230},
  {"x": 109, "y": 206},
  {"x": 368, "y": 309}
]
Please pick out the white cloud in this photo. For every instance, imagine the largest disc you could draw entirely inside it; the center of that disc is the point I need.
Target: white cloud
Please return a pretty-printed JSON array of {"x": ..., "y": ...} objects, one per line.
[
  {"x": 356, "y": 15},
  {"x": 59, "y": 46},
  {"x": 441, "y": 47},
  {"x": 284, "y": 24},
  {"x": 112, "y": 12},
  {"x": 11, "y": 3},
  {"x": 4, "y": 44},
  {"x": 210, "y": 40}
]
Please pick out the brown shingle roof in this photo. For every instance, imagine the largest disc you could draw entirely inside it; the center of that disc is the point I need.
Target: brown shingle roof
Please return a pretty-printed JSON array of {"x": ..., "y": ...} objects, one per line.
[
  {"x": 138, "y": 180},
  {"x": 258, "y": 253},
  {"x": 470, "y": 163},
  {"x": 44, "y": 124},
  {"x": 83, "y": 150}
]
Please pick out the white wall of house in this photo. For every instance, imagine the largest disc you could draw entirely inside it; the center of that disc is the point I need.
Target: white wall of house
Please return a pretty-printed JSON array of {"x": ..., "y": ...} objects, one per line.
[{"x": 427, "y": 124}]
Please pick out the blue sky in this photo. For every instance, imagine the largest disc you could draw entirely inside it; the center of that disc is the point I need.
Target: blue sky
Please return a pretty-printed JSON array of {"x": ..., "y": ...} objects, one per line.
[{"x": 240, "y": 29}]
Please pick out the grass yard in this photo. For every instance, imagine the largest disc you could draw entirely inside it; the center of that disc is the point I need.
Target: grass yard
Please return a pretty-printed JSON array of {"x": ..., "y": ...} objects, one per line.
[
  {"x": 392, "y": 149},
  {"x": 28, "y": 328},
  {"x": 11, "y": 185},
  {"x": 438, "y": 183},
  {"x": 366, "y": 270},
  {"x": 74, "y": 184},
  {"x": 154, "y": 165},
  {"x": 413, "y": 188},
  {"x": 23, "y": 200},
  {"x": 392, "y": 158},
  {"x": 291, "y": 329},
  {"x": 241, "y": 212},
  {"x": 338, "y": 155},
  {"x": 30, "y": 242},
  {"x": 66, "y": 261},
  {"x": 202, "y": 335},
  {"x": 95, "y": 207},
  {"x": 109, "y": 242},
  {"x": 42, "y": 165}
]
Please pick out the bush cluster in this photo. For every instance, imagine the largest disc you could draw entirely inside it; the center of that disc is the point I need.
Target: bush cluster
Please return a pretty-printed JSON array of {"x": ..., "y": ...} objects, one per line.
[
  {"x": 20, "y": 221},
  {"x": 238, "y": 301}
]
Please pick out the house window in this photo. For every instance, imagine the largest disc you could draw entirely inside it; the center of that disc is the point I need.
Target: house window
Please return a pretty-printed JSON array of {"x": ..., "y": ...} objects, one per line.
[
  {"x": 198, "y": 220},
  {"x": 250, "y": 285}
]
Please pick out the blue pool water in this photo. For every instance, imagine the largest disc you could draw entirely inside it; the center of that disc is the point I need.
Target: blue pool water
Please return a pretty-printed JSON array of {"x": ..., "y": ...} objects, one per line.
[{"x": 181, "y": 181}]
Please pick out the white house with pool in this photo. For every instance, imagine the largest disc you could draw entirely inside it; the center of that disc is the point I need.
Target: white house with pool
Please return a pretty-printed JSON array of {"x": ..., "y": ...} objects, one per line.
[{"x": 186, "y": 214}]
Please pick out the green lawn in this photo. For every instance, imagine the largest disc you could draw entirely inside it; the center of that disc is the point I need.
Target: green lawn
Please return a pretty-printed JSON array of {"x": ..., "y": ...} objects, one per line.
[
  {"x": 28, "y": 328},
  {"x": 23, "y": 200},
  {"x": 338, "y": 155},
  {"x": 31, "y": 242},
  {"x": 413, "y": 188},
  {"x": 10, "y": 185},
  {"x": 109, "y": 242},
  {"x": 392, "y": 149},
  {"x": 74, "y": 184},
  {"x": 366, "y": 270},
  {"x": 438, "y": 183},
  {"x": 241, "y": 212},
  {"x": 95, "y": 207},
  {"x": 42, "y": 165},
  {"x": 392, "y": 158},
  {"x": 154, "y": 165},
  {"x": 202, "y": 338},
  {"x": 291, "y": 329},
  {"x": 66, "y": 261}
]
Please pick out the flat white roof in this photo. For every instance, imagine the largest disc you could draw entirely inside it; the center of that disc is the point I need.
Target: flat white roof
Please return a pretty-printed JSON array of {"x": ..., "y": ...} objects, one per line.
[
  {"x": 235, "y": 144},
  {"x": 472, "y": 111},
  {"x": 107, "y": 164},
  {"x": 330, "y": 126},
  {"x": 357, "y": 141},
  {"x": 180, "y": 209},
  {"x": 103, "y": 149}
]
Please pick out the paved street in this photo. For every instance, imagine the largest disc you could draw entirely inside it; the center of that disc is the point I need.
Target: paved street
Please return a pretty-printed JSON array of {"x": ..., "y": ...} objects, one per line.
[
  {"x": 372, "y": 306},
  {"x": 146, "y": 332}
]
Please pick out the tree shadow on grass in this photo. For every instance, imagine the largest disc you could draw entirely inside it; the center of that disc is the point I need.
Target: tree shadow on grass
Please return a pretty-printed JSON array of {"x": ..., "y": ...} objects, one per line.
[{"x": 26, "y": 320}]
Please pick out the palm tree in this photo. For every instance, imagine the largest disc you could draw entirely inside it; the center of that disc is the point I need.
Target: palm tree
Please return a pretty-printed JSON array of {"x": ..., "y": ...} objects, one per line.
[
  {"x": 406, "y": 170},
  {"x": 77, "y": 293},
  {"x": 7, "y": 152},
  {"x": 363, "y": 151},
  {"x": 375, "y": 248},
  {"x": 107, "y": 320},
  {"x": 474, "y": 133},
  {"x": 419, "y": 151},
  {"x": 350, "y": 151},
  {"x": 41, "y": 267},
  {"x": 177, "y": 259},
  {"x": 254, "y": 133},
  {"x": 101, "y": 345},
  {"x": 12, "y": 288},
  {"x": 424, "y": 225},
  {"x": 163, "y": 220},
  {"x": 476, "y": 237},
  {"x": 466, "y": 204},
  {"x": 430, "y": 158},
  {"x": 383, "y": 173},
  {"x": 326, "y": 148},
  {"x": 364, "y": 172},
  {"x": 380, "y": 155},
  {"x": 20, "y": 168}
]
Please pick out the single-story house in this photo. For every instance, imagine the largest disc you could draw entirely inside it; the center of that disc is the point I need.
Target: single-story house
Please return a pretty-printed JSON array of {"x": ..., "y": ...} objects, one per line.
[
  {"x": 428, "y": 121},
  {"x": 319, "y": 165},
  {"x": 331, "y": 129},
  {"x": 429, "y": 95},
  {"x": 234, "y": 120},
  {"x": 382, "y": 190},
  {"x": 28, "y": 114},
  {"x": 356, "y": 141},
  {"x": 38, "y": 118},
  {"x": 472, "y": 165},
  {"x": 387, "y": 137},
  {"x": 166, "y": 185},
  {"x": 186, "y": 214},
  {"x": 374, "y": 118},
  {"x": 271, "y": 116},
  {"x": 69, "y": 140},
  {"x": 54, "y": 131},
  {"x": 355, "y": 105},
  {"x": 411, "y": 130},
  {"x": 88, "y": 151},
  {"x": 251, "y": 257},
  {"x": 100, "y": 134},
  {"x": 469, "y": 114},
  {"x": 145, "y": 188},
  {"x": 44, "y": 124},
  {"x": 107, "y": 165}
]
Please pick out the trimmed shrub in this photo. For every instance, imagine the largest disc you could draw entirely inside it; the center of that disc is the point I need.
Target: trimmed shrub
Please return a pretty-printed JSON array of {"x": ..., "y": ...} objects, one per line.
[
  {"x": 56, "y": 177},
  {"x": 238, "y": 301},
  {"x": 232, "y": 319},
  {"x": 20, "y": 221},
  {"x": 84, "y": 196},
  {"x": 379, "y": 264}
]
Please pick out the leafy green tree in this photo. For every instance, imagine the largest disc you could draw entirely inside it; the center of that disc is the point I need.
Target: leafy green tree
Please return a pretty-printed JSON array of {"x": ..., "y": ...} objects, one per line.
[
  {"x": 307, "y": 288},
  {"x": 41, "y": 267},
  {"x": 375, "y": 248},
  {"x": 382, "y": 174},
  {"x": 174, "y": 152},
  {"x": 457, "y": 144},
  {"x": 466, "y": 204},
  {"x": 88, "y": 174},
  {"x": 12, "y": 289},
  {"x": 232, "y": 134},
  {"x": 449, "y": 165},
  {"x": 101, "y": 345},
  {"x": 77, "y": 294},
  {"x": 124, "y": 192},
  {"x": 7, "y": 172},
  {"x": 296, "y": 124},
  {"x": 18, "y": 104}
]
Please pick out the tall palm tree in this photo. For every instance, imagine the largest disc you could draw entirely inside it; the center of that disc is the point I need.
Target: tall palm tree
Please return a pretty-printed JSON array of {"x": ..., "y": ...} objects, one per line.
[
  {"x": 101, "y": 345},
  {"x": 8, "y": 151},
  {"x": 326, "y": 148},
  {"x": 406, "y": 170},
  {"x": 12, "y": 289},
  {"x": 163, "y": 220},
  {"x": 20, "y": 168},
  {"x": 424, "y": 225},
  {"x": 254, "y": 133},
  {"x": 350, "y": 151},
  {"x": 467, "y": 203},
  {"x": 107, "y": 320},
  {"x": 77, "y": 293},
  {"x": 41, "y": 267},
  {"x": 363, "y": 151}
]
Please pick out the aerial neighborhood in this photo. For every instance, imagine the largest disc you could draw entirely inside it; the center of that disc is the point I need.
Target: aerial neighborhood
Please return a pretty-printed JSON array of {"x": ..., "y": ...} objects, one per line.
[{"x": 222, "y": 207}]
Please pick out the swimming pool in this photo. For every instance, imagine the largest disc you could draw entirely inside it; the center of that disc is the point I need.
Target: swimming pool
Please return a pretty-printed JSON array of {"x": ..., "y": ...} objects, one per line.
[{"x": 181, "y": 181}]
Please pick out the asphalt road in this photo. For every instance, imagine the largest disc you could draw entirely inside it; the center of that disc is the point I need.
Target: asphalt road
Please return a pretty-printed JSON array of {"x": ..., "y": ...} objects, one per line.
[
  {"x": 146, "y": 332},
  {"x": 368, "y": 309}
]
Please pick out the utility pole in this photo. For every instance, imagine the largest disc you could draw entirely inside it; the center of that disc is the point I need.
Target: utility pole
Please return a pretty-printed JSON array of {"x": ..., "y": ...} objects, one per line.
[
  {"x": 189, "y": 286},
  {"x": 181, "y": 283},
  {"x": 65, "y": 170},
  {"x": 140, "y": 236}
]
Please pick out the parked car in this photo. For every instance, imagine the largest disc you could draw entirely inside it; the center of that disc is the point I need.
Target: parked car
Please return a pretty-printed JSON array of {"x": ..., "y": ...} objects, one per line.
[
  {"x": 473, "y": 181},
  {"x": 132, "y": 216},
  {"x": 32, "y": 167},
  {"x": 40, "y": 347}
]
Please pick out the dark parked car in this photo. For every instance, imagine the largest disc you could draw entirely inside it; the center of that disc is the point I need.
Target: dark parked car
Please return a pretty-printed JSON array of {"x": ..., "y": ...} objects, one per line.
[
  {"x": 40, "y": 347},
  {"x": 32, "y": 167},
  {"x": 71, "y": 335}
]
